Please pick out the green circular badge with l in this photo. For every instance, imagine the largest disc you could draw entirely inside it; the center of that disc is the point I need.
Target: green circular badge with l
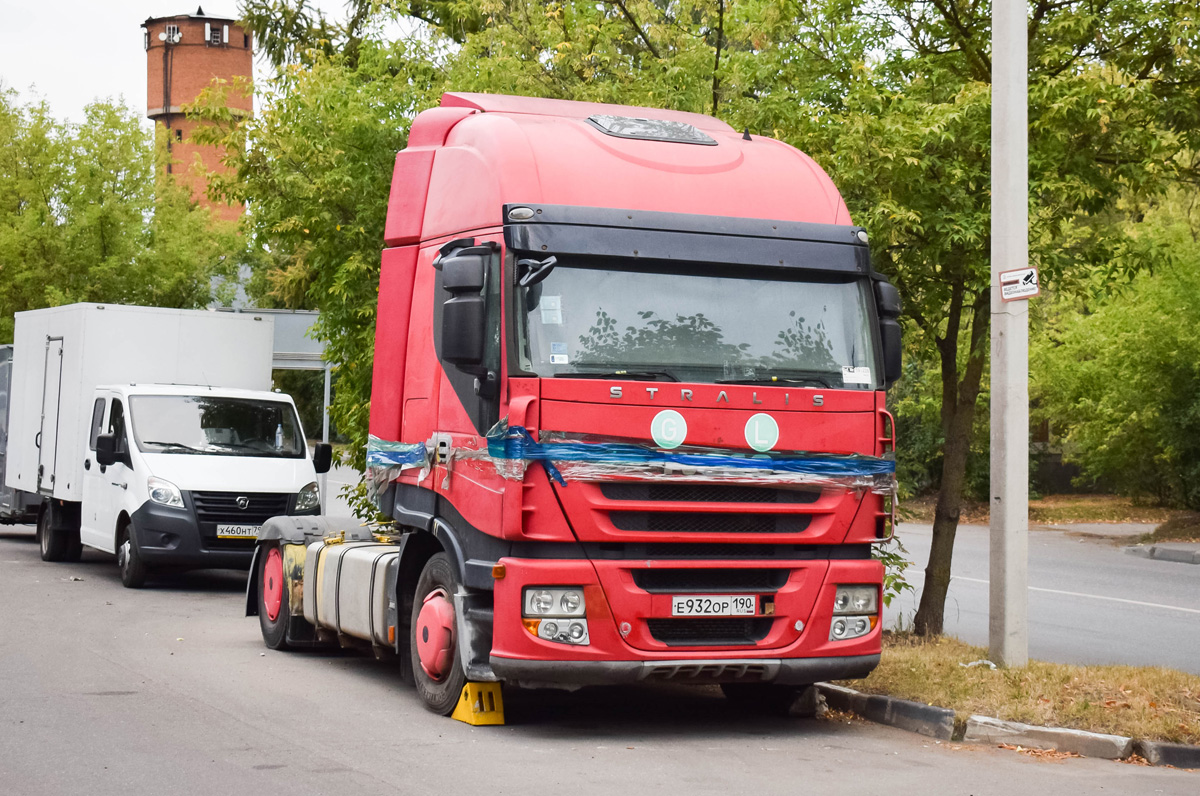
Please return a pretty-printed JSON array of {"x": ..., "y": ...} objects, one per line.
[
  {"x": 762, "y": 432},
  {"x": 668, "y": 428}
]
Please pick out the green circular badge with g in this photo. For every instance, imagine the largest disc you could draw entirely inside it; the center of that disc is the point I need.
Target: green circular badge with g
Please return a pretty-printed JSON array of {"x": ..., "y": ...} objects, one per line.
[
  {"x": 762, "y": 432},
  {"x": 668, "y": 428}
]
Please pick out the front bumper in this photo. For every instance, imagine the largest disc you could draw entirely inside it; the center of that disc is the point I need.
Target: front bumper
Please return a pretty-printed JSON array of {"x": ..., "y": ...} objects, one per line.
[
  {"x": 173, "y": 538},
  {"x": 795, "y": 671}
]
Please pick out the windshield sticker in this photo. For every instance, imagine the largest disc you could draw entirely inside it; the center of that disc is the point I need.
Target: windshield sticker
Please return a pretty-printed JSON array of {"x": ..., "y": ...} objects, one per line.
[
  {"x": 762, "y": 432},
  {"x": 668, "y": 429},
  {"x": 558, "y": 348},
  {"x": 551, "y": 310},
  {"x": 852, "y": 375},
  {"x": 559, "y": 359}
]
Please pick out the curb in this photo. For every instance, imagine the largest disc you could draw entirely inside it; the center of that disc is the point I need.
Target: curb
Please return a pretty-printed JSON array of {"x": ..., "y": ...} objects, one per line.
[
  {"x": 938, "y": 723},
  {"x": 984, "y": 729},
  {"x": 915, "y": 717},
  {"x": 1169, "y": 754},
  {"x": 1162, "y": 552}
]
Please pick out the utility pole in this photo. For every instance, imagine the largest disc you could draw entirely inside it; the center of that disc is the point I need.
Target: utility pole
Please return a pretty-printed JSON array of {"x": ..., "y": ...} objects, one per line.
[{"x": 1008, "y": 620}]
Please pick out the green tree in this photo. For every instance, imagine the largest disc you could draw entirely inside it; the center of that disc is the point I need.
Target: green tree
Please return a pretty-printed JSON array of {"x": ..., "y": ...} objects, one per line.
[
  {"x": 890, "y": 96},
  {"x": 315, "y": 166},
  {"x": 1119, "y": 374},
  {"x": 86, "y": 216}
]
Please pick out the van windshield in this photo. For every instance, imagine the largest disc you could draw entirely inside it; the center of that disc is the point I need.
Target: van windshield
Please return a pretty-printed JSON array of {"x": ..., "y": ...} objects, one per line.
[
  {"x": 698, "y": 324},
  {"x": 204, "y": 424}
]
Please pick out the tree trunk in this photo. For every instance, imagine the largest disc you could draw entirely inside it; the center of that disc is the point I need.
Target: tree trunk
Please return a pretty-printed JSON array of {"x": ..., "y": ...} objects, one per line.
[{"x": 958, "y": 418}]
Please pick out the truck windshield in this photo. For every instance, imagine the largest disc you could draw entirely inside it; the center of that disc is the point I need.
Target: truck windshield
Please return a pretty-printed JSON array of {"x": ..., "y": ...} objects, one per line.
[
  {"x": 203, "y": 424},
  {"x": 699, "y": 326}
]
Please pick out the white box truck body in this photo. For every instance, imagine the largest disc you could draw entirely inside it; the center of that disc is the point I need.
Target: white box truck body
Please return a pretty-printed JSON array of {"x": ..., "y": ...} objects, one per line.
[{"x": 152, "y": 433}]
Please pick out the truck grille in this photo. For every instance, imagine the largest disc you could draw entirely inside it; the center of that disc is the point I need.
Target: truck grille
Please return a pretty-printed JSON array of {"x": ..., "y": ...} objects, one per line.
[
  {"x": 709, "y": 581},
  {"x": 222, "y": 507},
  {"x": 712, "y": 632},
  {"x": 693, "y": 522},
  {"x": 706, "y": 493}
]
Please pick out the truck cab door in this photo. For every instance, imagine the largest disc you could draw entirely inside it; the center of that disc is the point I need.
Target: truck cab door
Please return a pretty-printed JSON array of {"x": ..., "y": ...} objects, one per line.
[{"x": 94, "y": 479}]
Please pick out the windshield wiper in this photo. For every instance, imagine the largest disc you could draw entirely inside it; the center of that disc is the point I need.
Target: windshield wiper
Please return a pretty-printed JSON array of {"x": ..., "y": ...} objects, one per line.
[
  {"x": 641, "y": 375},
  {"x": 795, "y": 378},
  {"x": 175, "y": 446}
]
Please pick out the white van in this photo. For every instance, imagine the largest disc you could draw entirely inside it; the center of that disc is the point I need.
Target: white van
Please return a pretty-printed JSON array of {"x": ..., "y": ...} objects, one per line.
[
  {"x": 182, "y": 477},
  {"x": 152, "y": 433}
]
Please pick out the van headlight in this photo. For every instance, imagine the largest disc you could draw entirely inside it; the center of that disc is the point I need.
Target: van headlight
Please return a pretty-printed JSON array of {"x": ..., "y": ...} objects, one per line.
[
  {"x": 164, "y": 493},
  {"x": 309, "y": 497}
]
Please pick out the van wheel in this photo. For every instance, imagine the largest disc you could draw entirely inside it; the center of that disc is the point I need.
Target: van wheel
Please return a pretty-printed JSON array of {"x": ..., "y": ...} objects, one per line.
[
  {"x": 55, "y": 542},
  {"x": 274, "y": 611},
  {"x": 437, "y": 670},
  {"x": 129, "y": 560}
]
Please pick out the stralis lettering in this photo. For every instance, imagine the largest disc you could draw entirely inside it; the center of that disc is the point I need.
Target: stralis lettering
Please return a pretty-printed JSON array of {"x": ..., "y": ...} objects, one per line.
[{"x": 687, "y": 395}]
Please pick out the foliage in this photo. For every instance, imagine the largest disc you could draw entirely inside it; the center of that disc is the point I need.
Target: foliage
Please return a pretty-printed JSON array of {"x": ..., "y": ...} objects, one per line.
[
  {"x": 1123, "y": 377},
  {"x": 894, "y": 557},
  {"x": 890, "y": 96},
  {"x": 316, "y": 165},
  {"x": 86, "y": 216}
]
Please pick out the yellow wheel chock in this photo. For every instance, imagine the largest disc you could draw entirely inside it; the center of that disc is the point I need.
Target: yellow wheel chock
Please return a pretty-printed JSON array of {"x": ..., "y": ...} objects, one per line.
[{"x": 480, "y": 703}]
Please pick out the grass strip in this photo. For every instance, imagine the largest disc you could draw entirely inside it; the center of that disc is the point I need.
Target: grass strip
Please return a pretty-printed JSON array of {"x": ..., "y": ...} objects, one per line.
[
  {"x": 1050, "y": 510},
  {"x": 1141, "y": 702},
  {"x": 1185, "y": 528}
]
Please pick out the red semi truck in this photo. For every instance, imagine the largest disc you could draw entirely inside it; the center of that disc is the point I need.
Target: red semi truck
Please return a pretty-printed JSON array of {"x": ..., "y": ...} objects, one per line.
[{"x": 627, "y": 414}]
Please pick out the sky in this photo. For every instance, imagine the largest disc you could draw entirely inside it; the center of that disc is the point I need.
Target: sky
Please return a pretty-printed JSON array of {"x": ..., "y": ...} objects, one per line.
[{"x": 71, "y": 52}]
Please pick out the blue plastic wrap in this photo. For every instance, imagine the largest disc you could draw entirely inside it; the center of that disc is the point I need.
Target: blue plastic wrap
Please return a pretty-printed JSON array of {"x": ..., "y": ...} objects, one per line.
[
  {"x": 386, "y": 460},
  {"x": 565, "y": 458}
]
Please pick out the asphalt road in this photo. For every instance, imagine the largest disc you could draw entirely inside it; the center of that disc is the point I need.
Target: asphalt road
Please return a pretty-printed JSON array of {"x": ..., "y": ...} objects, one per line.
[
  {"x": 169, "y": 690},
  {"x": 1089, "y": 602}
]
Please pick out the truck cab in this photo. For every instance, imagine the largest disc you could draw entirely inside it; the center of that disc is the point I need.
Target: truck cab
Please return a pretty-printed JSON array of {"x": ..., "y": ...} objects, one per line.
[
  {"x": 183, "y": 477},
  {"x": 627, "y": 413}
]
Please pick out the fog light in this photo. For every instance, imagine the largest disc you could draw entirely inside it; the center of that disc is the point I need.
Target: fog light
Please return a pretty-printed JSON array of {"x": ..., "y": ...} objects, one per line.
[
  {"x": 576, "y": 632},
  {"x": 861, "y": 626},
  {"x": 551, "y": 628},
  {"x": 839, "y": 629}
]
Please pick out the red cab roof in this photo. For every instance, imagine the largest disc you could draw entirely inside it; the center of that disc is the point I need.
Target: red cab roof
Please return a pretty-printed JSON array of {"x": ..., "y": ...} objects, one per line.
[{"x": 476, "y": 152}]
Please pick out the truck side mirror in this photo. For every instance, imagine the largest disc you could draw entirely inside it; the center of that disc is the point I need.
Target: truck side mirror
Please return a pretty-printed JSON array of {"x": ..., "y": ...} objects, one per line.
[
  {"x": 887, "y": 303},
  {"x": 322, "y": 457},
  {"x": 464, "y": 316},
  {"x": 106, "y": 450}
]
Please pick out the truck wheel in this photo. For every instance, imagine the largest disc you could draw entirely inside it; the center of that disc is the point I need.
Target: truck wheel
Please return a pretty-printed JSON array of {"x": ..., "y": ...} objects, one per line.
[
  {"x": 54, "y": 542},
  {"x": 761, "y": 697},
  {"x": 129, "y": 559},
  {"x": 274, "y": 610},
  {"x": 437, "y": 670}
]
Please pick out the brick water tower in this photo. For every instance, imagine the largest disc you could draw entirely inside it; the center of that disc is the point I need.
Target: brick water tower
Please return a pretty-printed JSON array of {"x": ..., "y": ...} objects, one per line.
[{"x": 184, "y": 54}]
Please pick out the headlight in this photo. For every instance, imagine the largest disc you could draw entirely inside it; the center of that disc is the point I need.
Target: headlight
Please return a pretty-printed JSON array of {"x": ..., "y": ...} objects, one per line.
[
  {"x": 856, "y": 600},
  {"x": 164, "y": 492},
  {"x": 309, "y": 497},
  {"x": 557, "y": 602}
]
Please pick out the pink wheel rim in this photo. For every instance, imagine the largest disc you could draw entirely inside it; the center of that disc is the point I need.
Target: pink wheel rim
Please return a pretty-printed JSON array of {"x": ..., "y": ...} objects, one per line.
[
  {"x": 272, "y": 585},
  {"x": 435, "y": 634}
]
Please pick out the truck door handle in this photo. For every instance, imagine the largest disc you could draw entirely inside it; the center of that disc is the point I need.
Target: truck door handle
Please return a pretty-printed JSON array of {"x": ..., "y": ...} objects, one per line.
[
  {"x": 123, "y": 486},
  {"x": 37, "y": 440},
  {"x": 87, "y": 464}
]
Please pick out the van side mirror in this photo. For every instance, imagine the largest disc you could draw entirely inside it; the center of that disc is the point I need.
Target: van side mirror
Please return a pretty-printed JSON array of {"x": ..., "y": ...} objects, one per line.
[
  {"x": 464, "y": 315},
  {"x": 106, "y": 450},
  {"x": 322, "y": 457}
]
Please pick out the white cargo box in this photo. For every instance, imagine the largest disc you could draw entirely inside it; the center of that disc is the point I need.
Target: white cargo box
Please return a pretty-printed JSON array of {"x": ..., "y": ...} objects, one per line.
[{"x": 61, "y": 354}]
